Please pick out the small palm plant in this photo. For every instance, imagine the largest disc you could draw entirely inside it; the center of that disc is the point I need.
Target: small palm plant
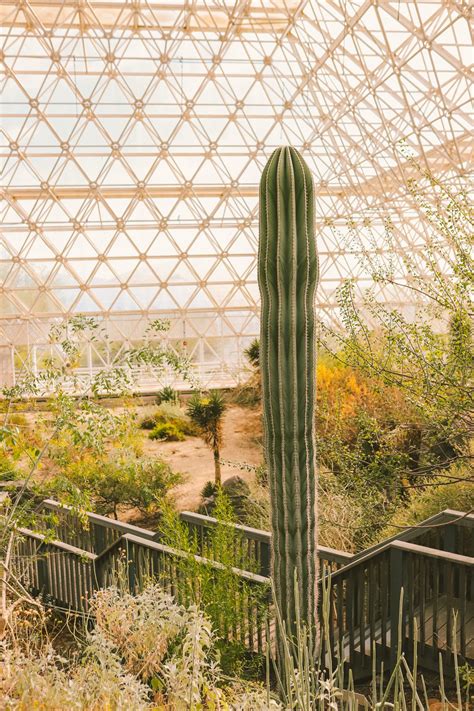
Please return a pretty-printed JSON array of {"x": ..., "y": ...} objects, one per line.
[
  {"x": 206, "y": 412},
  {"x": 252, "y": 353}
]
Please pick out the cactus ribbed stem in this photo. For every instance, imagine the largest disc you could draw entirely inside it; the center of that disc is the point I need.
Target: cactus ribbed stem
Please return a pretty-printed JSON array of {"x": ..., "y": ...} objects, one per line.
[{"x": 288, "y": 275}]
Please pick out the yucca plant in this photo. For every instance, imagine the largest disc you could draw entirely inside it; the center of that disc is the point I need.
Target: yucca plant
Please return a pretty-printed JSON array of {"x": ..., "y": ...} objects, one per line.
[
  {"x": 287, "y": 275},
  {"x": 252, "y": 353},
  {"x": 167, "y": 394},
  {"x": 207, "y": 412}
]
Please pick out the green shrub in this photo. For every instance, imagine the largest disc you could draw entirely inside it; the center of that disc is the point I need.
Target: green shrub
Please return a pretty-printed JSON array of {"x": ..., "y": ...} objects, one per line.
[
  {"x": 167, "y": 394},
  {"x": 215, "y": 592},
  {"x": 169, "y": 423},
  {"x": 148, "y": 422},
  {"x": 118, "y": 482},
  {"x": 167, "y": 431},
  {"x": 209, "y": 489}
]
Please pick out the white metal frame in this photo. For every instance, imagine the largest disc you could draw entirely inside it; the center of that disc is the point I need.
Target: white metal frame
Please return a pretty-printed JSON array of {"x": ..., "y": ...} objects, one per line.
[{"x": 133, "y": 135}]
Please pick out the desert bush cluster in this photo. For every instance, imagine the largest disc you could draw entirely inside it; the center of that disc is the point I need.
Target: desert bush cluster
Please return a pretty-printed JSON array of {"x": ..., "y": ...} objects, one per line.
[{"x": 143, "y": 652}]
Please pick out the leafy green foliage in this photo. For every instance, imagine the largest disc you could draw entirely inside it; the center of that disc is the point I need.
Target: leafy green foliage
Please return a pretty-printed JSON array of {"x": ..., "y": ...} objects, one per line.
[
  {"x": 167, "y": 431},
  {"x": 148, "y": 422},
  {"x": 169, "y": 412},
  {"x": 169, "y": 423},
  {"x": 209, "y": 489},
  {"x": 426, "y": 355},
  {"x": 117, "y": 481},
  {"x": 76, "y": 424},
  {"x": 168, "y": 394},
  {"x": 8, "y": 470},
  {"x": 214, "y": 591}
]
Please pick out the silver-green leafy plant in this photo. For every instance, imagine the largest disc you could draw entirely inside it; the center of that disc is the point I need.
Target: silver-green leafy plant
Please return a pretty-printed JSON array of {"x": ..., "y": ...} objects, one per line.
[{"x": 288, "y": 275}]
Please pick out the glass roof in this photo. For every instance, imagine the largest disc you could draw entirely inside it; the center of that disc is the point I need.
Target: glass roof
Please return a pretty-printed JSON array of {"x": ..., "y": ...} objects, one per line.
[{"x": 133, "y": 135}]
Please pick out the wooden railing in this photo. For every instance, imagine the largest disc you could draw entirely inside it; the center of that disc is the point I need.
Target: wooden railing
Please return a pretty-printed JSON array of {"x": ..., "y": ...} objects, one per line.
[
  {"x": 448, "y": 530},
  {"x": 252, "y": 544},
  {"x": 68, "y": 577},
  {"x": 91, "y": 532},
  {"x": 377, "y": 601},
  {"x": 62, "y": 573},
  {"x": 364, "y": 590}
]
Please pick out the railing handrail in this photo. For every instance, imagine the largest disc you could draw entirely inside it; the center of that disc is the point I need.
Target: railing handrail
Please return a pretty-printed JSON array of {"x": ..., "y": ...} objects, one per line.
[
  {"x": 408, "y": 534},
  {"x": 434, "y": 553},
  {"x": 260, "y": 536},
  {"x": 105, "y": 521},
  {"x": 192, "y": 518},
  {"x": 153, "y": 545},
  {"x": 80, "y": 552},
  {"x": 175, "y": 552},
  {"x": 404, "y": 546},
  {"x": 256, "y": 534}
]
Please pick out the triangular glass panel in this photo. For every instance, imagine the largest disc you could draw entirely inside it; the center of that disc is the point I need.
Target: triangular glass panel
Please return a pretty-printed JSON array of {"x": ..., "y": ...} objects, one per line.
[
  {"x": 86, "y": 303},
  {"x": 106, "y": 295},
  {"x": 143, "y": 274},
  {"x": 66, "y": 297}
]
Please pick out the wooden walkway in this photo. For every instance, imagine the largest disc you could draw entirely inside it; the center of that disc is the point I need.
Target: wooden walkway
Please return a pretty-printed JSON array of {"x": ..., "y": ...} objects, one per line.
[
  {"x": 435, "y": 623},
  {"x": 419, "y": 584}
]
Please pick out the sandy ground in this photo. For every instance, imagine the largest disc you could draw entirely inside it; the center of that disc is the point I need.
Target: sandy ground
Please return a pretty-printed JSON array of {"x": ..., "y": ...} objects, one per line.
[{"x": 194, "y": 459}]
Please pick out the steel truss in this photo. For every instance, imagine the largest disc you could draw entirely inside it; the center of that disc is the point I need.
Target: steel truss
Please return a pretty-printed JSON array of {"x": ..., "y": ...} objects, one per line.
[{"x": 133, "y": 135}]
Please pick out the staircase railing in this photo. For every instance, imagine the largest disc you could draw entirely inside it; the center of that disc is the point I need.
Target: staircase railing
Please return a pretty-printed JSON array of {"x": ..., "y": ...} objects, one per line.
[
  {"x": 378, "y": 600},
  {"x": 437, "y": 607},
  {"x": 68, "y": 577},
  {"x": 89, "y": 531},
  {"x": 254, "y": 544},
  {"x": 63, "y": 573},
  {"x": 448, "y": 530},
  {"x": 251, "y": 545}
]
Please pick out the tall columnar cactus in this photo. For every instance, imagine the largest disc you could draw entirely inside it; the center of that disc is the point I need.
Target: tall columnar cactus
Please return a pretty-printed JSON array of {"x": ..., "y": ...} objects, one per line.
[{"x": 288, "y": 275}]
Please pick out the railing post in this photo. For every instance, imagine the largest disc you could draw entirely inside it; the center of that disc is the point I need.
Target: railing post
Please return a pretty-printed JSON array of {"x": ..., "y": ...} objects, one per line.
[
  {"x": 264, "y": 559},
  {"x": 396, "y": 603},
  {"x": 131, "y": 567},
  {"x": 43, "y": 579},
  {"x": 98, "y": 539},
  {"x": 450, "y": 539}
]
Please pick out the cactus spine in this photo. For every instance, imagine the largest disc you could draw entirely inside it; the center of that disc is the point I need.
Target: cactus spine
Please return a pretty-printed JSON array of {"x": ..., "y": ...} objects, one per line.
[{"x": 288, "y": 275}]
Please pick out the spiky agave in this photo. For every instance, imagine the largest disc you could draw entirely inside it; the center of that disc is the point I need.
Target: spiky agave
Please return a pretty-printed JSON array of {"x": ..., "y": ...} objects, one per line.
[{"x": 288, "y": 275}]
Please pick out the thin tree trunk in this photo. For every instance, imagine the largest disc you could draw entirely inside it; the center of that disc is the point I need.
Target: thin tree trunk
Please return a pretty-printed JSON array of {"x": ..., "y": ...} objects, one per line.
[{"x": 217, "y": 467}]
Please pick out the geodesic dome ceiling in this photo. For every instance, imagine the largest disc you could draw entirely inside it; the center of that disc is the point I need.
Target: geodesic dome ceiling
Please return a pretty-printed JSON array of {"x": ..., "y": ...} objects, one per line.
[{"x": 134, "y": 133}]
